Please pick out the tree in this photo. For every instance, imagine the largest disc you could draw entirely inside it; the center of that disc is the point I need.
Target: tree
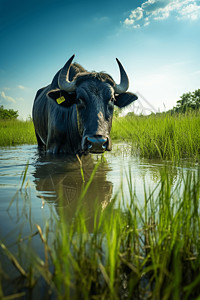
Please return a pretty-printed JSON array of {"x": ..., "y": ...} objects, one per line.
[
  {"x": 196, "y": 98},
  {"x": 188, "y": 101},
  {"x": 8, "y": 114}
]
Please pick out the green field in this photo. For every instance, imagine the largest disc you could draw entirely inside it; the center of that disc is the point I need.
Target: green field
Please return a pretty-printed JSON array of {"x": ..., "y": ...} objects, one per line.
[
  {"x": 169, "y": 137},
  {"x": 15, "y": 132}
]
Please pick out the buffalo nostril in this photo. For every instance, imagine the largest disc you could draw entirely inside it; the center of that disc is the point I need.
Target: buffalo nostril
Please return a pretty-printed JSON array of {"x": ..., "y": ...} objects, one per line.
[
  {"x": 105, "y": 145},
  {"x": 89, "y": 145},
  {"x": 96, "y": 144}
]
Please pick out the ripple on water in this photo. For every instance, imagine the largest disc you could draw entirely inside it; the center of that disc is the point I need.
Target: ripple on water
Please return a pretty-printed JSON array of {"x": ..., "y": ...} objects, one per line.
[{"x": 50, "y": 176}]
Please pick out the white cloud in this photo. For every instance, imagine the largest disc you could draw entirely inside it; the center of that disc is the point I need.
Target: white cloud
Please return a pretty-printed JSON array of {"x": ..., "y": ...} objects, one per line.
[
  {"x": 21, "y": 87},
  {"x": 7, "y": 98},
  {"x": 20, "y": 99},
  {"x": 146, "y": 24},
  {"x": 136, "y": 26},
  {"x": 159, "y": 10},
  {"x": 137, "y": 13},
  {"x": 129, "y": 21},
  {"x": 162, "y": 15},
  {"x": 192, "y": 12}
]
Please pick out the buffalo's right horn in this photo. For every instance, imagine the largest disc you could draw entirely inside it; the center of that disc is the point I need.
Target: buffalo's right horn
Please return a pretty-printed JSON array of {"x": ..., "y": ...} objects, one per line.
[
  {"x": 124, "y": 82},
  {"x": 63, "y": 79}
]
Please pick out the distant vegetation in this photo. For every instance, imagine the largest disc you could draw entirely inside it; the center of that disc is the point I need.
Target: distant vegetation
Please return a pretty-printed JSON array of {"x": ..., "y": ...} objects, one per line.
[
  {"x": 8, "y": 114},
  {"x": 15, "y": 132},
  {"x": 188, "y": 101}
]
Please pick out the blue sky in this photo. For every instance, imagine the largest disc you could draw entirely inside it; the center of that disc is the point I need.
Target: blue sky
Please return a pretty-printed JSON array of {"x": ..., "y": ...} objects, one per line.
[{"x": 157, "y": 41}]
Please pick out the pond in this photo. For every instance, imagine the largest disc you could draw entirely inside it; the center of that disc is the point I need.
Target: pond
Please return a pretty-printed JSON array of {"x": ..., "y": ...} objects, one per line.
[
  {"x": 49, "y": 177},
  {"x": 33, "y": 186}
]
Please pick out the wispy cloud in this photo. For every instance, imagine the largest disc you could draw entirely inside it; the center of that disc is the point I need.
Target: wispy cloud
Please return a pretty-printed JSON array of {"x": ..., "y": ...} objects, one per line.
[
  {"x": 19, "y": 99},
  {"x": 21, "y": 87},
  {"x": 7, "y": 98},
  {"x": 101, "y": 20},
  {"x": 159, "y": 10}
]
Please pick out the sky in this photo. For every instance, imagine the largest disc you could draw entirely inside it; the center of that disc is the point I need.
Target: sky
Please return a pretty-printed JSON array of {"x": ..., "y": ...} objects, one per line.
[{"x": 157, "y": 41}]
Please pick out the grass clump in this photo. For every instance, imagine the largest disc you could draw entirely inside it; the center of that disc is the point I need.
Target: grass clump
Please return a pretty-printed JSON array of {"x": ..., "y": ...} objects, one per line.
[
  {"x": 135, "y": 250},
  {"x": 15, "y": 132},
  {"x": 170, "y": 137}
]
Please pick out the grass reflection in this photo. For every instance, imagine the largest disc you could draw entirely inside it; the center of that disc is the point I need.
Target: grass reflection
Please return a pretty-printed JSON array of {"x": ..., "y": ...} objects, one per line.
[{"x": 133, "y": 250}]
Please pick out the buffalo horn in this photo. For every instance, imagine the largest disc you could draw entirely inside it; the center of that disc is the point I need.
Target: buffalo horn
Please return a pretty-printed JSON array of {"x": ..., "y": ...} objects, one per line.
[
  {"x": 124, "y": 82},
  {"x": 63, "y": 79}
]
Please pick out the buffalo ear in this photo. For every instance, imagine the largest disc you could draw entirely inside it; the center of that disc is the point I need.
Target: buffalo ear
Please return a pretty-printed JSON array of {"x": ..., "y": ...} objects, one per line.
[
  {"x": 62, "y": 98},
  {"x": 124, "y": 99}
]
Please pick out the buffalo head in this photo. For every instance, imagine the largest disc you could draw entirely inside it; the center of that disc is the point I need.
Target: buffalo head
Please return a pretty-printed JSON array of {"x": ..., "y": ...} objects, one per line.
[{"x": 95, "y": 95}]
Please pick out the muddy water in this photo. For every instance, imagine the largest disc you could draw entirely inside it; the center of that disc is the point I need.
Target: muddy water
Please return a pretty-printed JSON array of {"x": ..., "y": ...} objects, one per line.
[
  {"x": 54, "y": 184},
  {"x": 49, "y": 179}
]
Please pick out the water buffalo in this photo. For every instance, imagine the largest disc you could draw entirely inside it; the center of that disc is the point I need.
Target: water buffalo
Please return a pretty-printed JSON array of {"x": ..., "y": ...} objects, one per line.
[{"x": 73, "y": 114}]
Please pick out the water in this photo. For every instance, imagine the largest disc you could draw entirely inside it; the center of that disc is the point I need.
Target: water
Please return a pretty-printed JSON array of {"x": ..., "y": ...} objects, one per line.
[{"x": 48, "y": 178}]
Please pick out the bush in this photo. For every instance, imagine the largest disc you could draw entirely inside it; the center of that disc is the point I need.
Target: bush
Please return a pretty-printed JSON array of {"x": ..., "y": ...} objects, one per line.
[
  {"x": 8, "y": 114},
  {"x": 188, "y": 102}
]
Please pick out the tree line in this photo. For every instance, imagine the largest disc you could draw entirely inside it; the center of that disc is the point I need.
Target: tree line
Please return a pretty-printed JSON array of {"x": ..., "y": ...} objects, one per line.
[
  {"x": 188, "y": 101},
  {"x": 8, "y": 114}
]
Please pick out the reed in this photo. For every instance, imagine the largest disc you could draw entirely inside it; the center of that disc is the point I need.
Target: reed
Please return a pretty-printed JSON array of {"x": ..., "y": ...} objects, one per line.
[
  {"x": 136, "y": 250},
  {"x": 15, "y": 132},
  {"x": 169, "y": 137}
]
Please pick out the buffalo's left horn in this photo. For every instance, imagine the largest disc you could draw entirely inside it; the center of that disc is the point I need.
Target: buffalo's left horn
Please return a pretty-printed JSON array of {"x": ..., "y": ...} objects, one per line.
[
  {"x": 124, "y": 82},
  {"x": 63, "y": 79}
]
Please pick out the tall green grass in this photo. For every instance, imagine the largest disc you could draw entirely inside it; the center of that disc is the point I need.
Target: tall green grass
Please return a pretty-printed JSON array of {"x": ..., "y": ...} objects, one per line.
[
  {"x": 15, "y": 132},
  {"x": 169, "y": 137},
  {"x": 136, "y": 250},
  {"x": 162, "y": 135}
]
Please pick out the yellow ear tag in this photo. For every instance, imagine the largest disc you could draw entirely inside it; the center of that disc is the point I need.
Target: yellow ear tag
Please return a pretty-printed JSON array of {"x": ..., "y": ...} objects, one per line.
[{"x": 60, "y": 100}]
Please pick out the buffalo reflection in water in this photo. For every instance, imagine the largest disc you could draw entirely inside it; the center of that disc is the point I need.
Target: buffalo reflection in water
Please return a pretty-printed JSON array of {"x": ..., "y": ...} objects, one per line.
[{"x": 59, "y": 180}]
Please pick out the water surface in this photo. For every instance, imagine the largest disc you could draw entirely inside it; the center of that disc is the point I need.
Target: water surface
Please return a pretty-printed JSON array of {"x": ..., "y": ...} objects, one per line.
[
  {"x": 50, "y": 178},
  {"x": 55, "y": 185}
]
